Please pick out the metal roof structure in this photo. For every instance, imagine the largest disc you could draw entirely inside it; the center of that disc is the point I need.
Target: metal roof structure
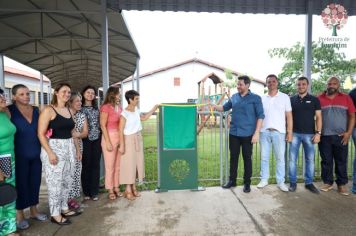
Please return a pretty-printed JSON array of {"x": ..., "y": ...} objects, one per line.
[
  {"x": 233, "y": 6},
  {"x": 62, "y": 39}
]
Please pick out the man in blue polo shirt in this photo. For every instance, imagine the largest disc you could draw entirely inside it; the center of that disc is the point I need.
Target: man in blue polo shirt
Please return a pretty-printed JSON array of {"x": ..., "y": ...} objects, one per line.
[
  {"x": 245, "y": 125},
  {"x": 306, "y": 113}
]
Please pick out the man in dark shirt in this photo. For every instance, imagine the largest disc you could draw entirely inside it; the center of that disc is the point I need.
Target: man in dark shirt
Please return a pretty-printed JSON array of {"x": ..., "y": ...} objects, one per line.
[
  {"x": 353, "y": 96},
  {"x": 306, "y": 113},
  {"x": 245, "y": 125}
]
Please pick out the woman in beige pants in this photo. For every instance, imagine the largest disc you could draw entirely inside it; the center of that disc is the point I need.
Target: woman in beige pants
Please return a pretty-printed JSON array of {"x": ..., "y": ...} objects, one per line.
[{"x": 131, "y": 144}]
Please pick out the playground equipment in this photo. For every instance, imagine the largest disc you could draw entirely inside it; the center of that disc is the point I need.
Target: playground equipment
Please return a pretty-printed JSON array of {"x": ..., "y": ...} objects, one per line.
[{"x": 216, "y": 98}]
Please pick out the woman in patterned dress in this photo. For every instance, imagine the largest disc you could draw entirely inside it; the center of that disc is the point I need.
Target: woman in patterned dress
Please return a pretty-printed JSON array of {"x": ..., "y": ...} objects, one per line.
[
  {"x": 7, "y": 136},
  {"x": 81, "y": 131},
  {"x": 91, "y": 145}
]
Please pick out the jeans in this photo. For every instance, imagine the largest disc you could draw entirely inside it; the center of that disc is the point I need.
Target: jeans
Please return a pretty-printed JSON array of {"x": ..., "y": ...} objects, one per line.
[
  {"x": 235, "y": 144},
  {"x": 332, "y": 150},
  {"x": 354, "y": 173},
  {"x": 308, "y": 146},
  {"x": 277, "y": 140}
]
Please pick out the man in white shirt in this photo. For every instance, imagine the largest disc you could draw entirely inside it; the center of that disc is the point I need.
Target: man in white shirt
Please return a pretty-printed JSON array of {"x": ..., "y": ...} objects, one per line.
[{"x": 278, "y": 111}]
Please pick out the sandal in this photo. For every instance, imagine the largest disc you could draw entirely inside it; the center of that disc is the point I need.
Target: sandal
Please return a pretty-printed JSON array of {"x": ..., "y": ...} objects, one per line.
[
  {"x": 71, "y": 213},
  {"x": 118, "y": 193},
  {"x": 86, "y": 198},
  {"x": 23, "y": 224},
  {"x": 112, "y": 196},
  {"x": 129, "y": 196},
  {"x": 136, "y": 193},
  {"x": 65, "y": 222},
  {"x": 39, "y": 217},
  {"x": 73, "y": 204}
]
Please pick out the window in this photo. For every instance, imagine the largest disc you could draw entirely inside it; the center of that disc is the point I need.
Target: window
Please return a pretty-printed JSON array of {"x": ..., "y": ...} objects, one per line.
[
  {"x": 45, "y": 95},
  {"x": 32, "y": 97},
  {"x": 7, "y": 92},
  {"x": 176, "y": 81}
]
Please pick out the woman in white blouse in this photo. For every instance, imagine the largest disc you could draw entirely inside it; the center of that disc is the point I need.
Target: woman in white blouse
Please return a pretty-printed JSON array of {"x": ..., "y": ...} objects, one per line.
[{"x": 131, "y": 144}]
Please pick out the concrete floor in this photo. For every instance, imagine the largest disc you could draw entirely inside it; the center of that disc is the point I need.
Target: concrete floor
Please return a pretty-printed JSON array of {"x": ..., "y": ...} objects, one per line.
[{"x": 215, "y": 211}]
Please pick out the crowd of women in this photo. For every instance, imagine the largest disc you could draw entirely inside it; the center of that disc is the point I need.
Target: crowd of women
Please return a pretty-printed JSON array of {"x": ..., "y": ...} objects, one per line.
[{"x": 67, "y": 139}]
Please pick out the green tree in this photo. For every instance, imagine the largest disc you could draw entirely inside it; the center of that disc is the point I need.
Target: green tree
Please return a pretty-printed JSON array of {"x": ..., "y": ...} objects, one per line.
[
  {"x": 230, "y": 81},
  {"x": 326, "y": 62}
]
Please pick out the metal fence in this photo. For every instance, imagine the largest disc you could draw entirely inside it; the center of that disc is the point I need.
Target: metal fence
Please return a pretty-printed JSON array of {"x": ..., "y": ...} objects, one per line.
[{"x": 213, "y": 154}]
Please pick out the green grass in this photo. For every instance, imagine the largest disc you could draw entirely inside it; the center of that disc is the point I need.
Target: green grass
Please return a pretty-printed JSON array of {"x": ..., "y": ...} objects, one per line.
[{"x": 209, "y": 158}]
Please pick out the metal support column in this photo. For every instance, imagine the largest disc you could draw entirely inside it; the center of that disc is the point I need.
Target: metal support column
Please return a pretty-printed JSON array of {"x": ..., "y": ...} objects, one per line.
[
  {"x": 138, "y": 78},
  {"x": 133, "y": 81},
  {"x": 49, "y": 92},
  {"x": 104, "y": 47},
  {"x": 308, "y": 43},
  {"x": 41, "y": 91},
  {"x": 2, "y": 72}
]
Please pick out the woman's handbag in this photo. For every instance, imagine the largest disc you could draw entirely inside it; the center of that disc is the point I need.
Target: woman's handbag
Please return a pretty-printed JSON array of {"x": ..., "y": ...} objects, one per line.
[{"x": 8, "y": 193}]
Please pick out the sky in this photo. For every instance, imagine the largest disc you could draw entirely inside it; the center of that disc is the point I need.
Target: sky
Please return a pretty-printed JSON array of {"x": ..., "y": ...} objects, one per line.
[{"x": 239, "y": 42}]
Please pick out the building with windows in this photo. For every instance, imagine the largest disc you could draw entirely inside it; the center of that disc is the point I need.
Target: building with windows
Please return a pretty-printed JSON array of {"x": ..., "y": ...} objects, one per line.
[
  {"x": 187, "y": 81},
  {"x": 15, "y": 76}
]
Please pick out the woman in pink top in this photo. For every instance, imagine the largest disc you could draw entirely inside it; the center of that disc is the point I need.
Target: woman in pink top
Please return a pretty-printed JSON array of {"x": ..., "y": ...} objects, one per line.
[{"x": 110, "y": 113}]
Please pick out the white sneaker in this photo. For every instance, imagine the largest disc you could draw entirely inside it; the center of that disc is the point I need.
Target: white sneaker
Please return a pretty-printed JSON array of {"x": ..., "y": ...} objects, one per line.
[
  {"x": 262, "y": 184},
  {"x": 283, "y": 187}
]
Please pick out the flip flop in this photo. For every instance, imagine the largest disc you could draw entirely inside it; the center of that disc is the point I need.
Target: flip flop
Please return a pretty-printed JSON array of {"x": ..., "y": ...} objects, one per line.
[
  {"x": 23, "y": 224},
  {"x": 40, "y": 217}
]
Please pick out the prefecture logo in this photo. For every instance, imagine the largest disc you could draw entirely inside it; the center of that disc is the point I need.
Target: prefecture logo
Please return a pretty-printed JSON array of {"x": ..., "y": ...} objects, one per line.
[{"x": 334, "y": 17}]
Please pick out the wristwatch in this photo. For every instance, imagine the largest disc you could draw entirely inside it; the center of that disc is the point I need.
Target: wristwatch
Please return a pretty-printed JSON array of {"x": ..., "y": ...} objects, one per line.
[{"x": 318, "y": 132}]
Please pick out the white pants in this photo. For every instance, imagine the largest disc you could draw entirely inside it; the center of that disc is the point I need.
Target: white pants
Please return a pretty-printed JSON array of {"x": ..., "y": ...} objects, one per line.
[{"x": 59, "y": 176}]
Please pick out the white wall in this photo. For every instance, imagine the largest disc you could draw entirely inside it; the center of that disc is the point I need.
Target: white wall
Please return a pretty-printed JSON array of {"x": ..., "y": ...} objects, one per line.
[
  {"x": 159, "y": 87},
  {"x": 31, "y": 83}
]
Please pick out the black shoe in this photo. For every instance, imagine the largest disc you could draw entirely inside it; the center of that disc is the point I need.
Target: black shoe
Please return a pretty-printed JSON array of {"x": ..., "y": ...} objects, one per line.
[
  {"x": 312, "y": 188},
  {"x": 63, "y": 221},
  {"x": 292, "y": 187},
  {"x": 229, "y": 184},
  {"x": 247, "y": 188},
  {"x": 71, "y": 213}
]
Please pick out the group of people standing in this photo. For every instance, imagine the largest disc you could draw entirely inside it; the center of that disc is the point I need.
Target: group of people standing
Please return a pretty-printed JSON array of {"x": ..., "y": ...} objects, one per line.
[
  {"x": 67, "y": 139},
  {"x": 275, "y": 119}
]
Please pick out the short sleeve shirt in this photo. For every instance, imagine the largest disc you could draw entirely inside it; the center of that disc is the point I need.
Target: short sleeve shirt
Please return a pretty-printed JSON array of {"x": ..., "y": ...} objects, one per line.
[
  {"x": 113, "y": 116},
  {"x": 303, "y": 110},
  {"x": 133, "y": 121},
  {"x": 335, "y": 113},
  {"x": 275, "y": 109}
]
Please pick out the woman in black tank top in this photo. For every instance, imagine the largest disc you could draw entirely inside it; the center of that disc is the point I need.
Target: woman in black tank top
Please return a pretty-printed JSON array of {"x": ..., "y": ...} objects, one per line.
[{"x": 58, "y": 152}]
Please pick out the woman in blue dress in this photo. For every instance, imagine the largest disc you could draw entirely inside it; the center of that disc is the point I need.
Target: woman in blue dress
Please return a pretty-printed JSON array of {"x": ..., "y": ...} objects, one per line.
[{"x": 27, "y": 152}]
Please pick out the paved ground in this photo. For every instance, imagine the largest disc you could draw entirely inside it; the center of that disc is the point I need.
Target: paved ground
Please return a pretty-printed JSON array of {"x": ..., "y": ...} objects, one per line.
[{"x": 214, "y": 211}]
